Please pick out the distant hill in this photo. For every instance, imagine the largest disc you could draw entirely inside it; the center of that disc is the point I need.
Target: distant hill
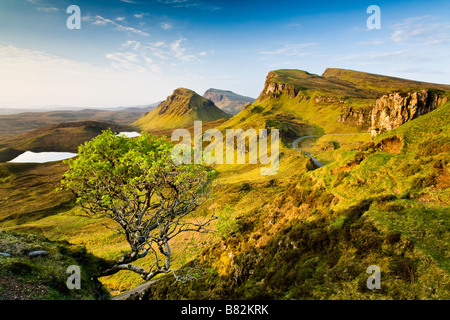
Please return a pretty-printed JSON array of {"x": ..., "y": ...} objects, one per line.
[
  {"x": 227, "y": 101},
  {"x": 180, "y": 110},
  {"x": 64, "y": 137},
  {"x": 15, "y": 124}
]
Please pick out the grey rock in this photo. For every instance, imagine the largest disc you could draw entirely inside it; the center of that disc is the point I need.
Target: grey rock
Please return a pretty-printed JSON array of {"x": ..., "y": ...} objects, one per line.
[
  {"x": 395, "y": 109},
  {"x": 3, "y": 254},
  {"x": 38, "y": 253}
]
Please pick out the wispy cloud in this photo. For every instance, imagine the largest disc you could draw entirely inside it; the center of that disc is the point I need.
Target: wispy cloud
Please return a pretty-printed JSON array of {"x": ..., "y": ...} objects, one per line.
[
  {"x": 191, "y": 4},
  {"x": 424, "y": 30},
  {"x": 290, "y": 50},
  {"x": 366, "y": 58},
  {"x": 47, "y": 9},
  {"x": 371, "y": 42},
  {"x": 293, "y": 25},
  {"x": 43, "y": 6},
  {"x": 99, "y": 20},
  {"x": 179, "y": 51},
  {"x": 140, "y": 15},
  {"x": 166, "y": 26}
]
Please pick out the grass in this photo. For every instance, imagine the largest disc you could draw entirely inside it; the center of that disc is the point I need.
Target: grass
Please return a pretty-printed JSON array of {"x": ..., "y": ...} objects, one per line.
[
  {"x": 314, "y": 237},
  {"x": 47, "y": 273},
  {"x": 302, "y": 233}
]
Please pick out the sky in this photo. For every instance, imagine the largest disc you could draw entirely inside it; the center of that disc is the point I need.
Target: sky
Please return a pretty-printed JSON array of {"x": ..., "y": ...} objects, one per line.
[{"x": 136, "y": 52}]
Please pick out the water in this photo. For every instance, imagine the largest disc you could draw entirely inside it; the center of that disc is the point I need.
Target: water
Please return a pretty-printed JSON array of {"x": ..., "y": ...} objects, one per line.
[
  {"x": 130, "y": 134},
  {"x": 42, "y": 157}
]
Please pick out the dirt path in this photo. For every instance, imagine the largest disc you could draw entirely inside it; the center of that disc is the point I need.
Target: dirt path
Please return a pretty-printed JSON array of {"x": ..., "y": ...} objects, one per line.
[{"x": 135, "y": 290}]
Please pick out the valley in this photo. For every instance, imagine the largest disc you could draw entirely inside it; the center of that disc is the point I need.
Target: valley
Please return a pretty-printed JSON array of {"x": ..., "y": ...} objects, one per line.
[{"x": 363, "y": 180}]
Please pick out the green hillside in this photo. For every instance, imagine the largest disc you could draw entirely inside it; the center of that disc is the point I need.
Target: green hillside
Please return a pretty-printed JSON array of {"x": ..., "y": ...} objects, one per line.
[
  {"x": 303, "y": 233},
  {"x": 180, "y": 110},
  {"x": 313, "y": 235}
]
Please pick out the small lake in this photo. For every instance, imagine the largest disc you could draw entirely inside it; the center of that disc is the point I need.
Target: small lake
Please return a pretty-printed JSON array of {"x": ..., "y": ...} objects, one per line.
[
  {"x": 129, "y": 134},
  {"x": 42, "y": 157}
]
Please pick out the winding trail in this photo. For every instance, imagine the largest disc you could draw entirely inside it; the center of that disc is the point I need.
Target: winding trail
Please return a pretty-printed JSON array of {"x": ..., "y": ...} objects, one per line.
[
  {"x": 135, "y": 290},
  {"x": 317, "y": 162}
]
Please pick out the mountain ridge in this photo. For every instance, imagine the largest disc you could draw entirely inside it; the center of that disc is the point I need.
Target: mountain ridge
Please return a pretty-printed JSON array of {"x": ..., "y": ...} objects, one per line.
[
  {"x": 181, "y": 109},
  {"x": 227, "y": 100}
]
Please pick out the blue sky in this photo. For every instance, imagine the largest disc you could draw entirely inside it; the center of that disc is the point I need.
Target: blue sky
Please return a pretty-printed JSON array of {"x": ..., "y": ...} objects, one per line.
[{"x": 135, "y": 52}]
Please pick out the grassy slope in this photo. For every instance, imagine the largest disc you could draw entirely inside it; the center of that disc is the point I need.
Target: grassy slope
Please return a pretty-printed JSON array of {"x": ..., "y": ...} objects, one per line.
[
  {"x": 315, "y": 237},
  {"x": 44, "y": 277},
  {"x": 301, "y": 209}
]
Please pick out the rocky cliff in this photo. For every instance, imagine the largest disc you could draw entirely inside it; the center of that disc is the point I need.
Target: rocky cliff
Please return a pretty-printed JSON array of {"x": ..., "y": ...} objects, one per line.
[
  {"x": 360, "y": 117},
  {"x": 273, "y": 88},
  {"x": 393, "y": 110}
]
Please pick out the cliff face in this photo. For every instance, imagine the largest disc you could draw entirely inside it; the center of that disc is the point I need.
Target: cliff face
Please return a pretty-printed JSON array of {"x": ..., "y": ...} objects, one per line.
[
  {"x": 393, "y": 110},
  {"x": 273, "y": 89},
  {"x": 358, "y": 117}
]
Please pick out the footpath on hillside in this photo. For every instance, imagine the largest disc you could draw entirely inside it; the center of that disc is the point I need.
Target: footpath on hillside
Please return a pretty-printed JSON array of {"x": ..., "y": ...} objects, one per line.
[{"x": 317, "y": 162}]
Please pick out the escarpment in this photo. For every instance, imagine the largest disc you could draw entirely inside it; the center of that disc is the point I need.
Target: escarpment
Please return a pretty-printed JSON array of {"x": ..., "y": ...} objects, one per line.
[{"x": 393, "y": 110}]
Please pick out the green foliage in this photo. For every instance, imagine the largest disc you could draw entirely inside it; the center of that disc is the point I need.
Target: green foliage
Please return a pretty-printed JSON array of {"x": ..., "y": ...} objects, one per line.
[{"x": 114, "y": 169}]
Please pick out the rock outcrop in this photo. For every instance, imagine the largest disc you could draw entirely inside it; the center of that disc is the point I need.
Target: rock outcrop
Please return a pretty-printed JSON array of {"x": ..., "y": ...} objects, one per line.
[
  {"x": 393, "y": 110},
  {"x": 273, "y": 88},
  {"x": 360, "y": 117}
]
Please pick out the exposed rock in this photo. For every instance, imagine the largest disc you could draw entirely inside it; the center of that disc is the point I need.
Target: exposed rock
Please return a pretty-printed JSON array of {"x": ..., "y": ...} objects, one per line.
[
  {"x": 318, "y": 99},
  {"x": 38, "y": 253},
  {"x": 395, "y": 109},
  {"x": 360, "y": 117},
  {"x": 4, "y": 254},
  {"x": 273, "y": 89}
]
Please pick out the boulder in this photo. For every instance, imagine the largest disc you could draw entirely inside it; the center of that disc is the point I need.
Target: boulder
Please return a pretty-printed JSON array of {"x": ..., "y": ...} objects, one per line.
[{"x": 38, "y": 253}]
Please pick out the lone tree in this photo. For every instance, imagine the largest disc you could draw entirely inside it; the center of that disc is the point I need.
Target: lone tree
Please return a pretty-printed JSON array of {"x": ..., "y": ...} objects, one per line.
[{"x": 134, "y": 182}]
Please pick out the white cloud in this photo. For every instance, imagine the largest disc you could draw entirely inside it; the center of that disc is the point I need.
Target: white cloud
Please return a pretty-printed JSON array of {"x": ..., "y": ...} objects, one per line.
[
  {"x": 99, "y": 20},
  {"x": 166, "y": 26},
  {"x": 424, "y": 30},
  {"x": 371, "y": 42},
  {"x": 140, "y": 15},
  {"x": 135, "y": 45},
  {"x": 120, "y": 19},
  {"x": 179, "y": 51},
  {"x": 191, "y": 4}
]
